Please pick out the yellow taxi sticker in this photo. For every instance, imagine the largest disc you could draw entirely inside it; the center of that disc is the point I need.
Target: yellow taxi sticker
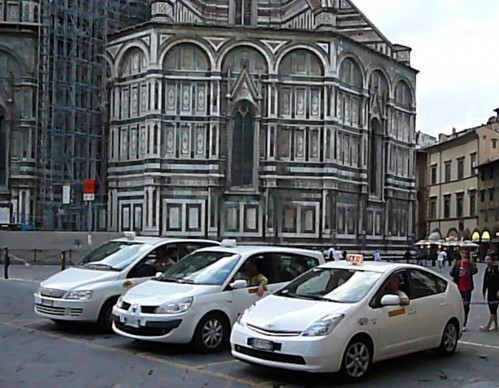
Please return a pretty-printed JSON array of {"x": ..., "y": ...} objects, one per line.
[
  {"x": 255, "y": 290},
  {"x": 396, "y": 313},
  {"x": 128, "y": 283}
]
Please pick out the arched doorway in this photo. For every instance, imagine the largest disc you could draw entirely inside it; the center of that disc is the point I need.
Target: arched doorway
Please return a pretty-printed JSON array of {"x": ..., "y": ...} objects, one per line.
[
  {"x": 375, "y": 169},
  {"x": 243, "y": 139}
]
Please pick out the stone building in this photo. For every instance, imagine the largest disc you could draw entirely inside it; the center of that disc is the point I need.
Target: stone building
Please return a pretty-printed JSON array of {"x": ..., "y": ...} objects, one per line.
[
  {"x": 272, "y": 121},
  {"x": 18, "y": 86},
  {"x": 454, "y": 187}
]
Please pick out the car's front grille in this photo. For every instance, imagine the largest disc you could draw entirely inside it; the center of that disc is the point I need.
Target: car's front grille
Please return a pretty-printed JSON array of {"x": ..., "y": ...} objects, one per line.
[
  {"x": 276, "y": 333},
  {"x": 59, "y": 311},
  {"x": 143, "y": 331},
  {"x": 52, "y": 293},
  {"x": 271, "y": 356},
  {"x": 148, "y": 309}
]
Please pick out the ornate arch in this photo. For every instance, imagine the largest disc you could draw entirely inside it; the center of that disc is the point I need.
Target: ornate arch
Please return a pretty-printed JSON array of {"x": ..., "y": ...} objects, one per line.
[
  {"x": 397, "y": 80},
  {"x": 171, "y": 43},
  {"x": 15, "y": 56},
  {"x": 358, "y": 62},
  {"x": 281, "y": 53},
  {"x": 370, "y": 70},
  {"x": 229, "y": 46},
  {"x": 125, "y": 49},
  {"x": 109, "y": 63}
]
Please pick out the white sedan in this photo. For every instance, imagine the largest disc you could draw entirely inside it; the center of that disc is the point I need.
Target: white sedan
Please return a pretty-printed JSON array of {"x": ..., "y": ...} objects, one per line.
[{"x": 344, "y": 316}]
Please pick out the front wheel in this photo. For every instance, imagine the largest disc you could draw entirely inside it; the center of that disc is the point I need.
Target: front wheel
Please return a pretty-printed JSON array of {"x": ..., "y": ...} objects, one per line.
[
  {"x": 105, "y": 321},
  {"x": 212, "y": 333},
  {"x": 450, "y": 336},
  {"x": 356, "y": 360}
]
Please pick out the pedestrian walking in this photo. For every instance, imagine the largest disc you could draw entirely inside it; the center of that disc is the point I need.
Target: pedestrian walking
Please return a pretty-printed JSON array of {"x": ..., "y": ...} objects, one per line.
[
  {"x": 330, "y": 254},
  {"x": 490, "y": 291},
  {"x": 408, "y": 256},
  {"x": 377, "y": 255},
  {"x": 6, "y": 263},
  {"x": 462, "y": 273},
  {"x": 442, "y": 256},
  {"x": 419, "y": 257}
]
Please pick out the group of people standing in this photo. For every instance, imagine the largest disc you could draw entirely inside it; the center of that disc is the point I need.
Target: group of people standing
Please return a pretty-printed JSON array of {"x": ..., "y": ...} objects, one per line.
[{"x": 462, "y": 273}]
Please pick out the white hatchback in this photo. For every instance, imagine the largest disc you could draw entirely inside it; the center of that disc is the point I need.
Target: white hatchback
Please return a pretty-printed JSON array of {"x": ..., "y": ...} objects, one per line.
[
  {"x": 198, "y": 299},
  {"x": 343, "y": 317},
  {"x": 88, "y": 291}
]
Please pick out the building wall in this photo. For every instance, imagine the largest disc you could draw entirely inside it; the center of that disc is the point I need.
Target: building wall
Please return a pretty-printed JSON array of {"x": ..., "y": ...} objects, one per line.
[
  {"x": 224, "y": 132},
  {"x": 18, "y": 101},
  {"x": 465, "y": 186},
  {"x": 422, "y": 195}
]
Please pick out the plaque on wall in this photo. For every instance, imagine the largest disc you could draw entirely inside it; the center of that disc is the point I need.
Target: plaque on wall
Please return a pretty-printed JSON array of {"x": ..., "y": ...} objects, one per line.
[
  {"x": 124, "y": 143},
  {"x": 143, "y": 141},
  {"x": 174, "y": 217},
  {"x": 193, "y": 218},
  {"x": 286, "y": 102},
  {"x": 143, "y": 98},
  {"x": 300, "y": 144},
  {"x": 170, "y": 140},
  {"x": 201, "y": 99},
  {"x": 135, "y": 100},
  {"x": 185, "y": 140},
  {"x": 315, "y": 111},
  {"x": 232, "y": 219},
  {"x": 314, "y": 146},
  {"x": 285, "y": 142},
  {"x": 171, "y": 98},
  {"x": 186, "y": 98},
  {"x": 125, "y": 102},
  {"x": 200, "y": 140},
  {"x": 133, "y": 143},
  {"x": 300, "y": 102}
]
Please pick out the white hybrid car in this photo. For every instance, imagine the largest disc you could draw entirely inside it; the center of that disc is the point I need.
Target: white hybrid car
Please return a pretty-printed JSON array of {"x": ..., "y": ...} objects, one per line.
[
  {"x": 88, "y": 291},
  {"x": 343, "y": 317},
  {"x": 199, "y": 299}
]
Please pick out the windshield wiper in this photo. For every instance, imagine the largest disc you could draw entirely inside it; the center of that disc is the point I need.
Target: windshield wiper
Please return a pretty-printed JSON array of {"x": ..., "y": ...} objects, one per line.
[
  {"x": 178, "y": 280},
  {"x": 100, "y": 265}
]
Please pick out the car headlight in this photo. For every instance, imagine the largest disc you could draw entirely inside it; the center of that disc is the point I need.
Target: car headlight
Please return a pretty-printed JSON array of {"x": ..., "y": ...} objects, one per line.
[
  {"x": 119, "y": 303},
  {"x": 323, "y": 326},
  {"x": 80, "y": 295},
  {"x": 244, "y": 316},
  {"x": 175, "y": 307}
]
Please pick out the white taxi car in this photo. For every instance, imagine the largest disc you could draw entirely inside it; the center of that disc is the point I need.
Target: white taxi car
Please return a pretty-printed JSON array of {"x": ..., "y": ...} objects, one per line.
[
  {"x": 200, "y": 298},
  {"x": 88, "y": 291},
  {"x": 343, "y": 317}
]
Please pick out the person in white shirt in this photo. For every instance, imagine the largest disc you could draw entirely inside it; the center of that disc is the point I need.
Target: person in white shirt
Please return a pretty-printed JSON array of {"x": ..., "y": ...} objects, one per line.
[
  {"x": 394, "y": 288},
  {"x": 442, "y": 257},
  {"x": 377, "y": 255},
  {"x": 330, "y": 254}
]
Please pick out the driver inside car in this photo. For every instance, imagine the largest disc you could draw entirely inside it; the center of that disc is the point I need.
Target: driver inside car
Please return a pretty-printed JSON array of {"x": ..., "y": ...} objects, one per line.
[
  {"x": 252, "y": 275},
  {"x": 393, "y": 288}
]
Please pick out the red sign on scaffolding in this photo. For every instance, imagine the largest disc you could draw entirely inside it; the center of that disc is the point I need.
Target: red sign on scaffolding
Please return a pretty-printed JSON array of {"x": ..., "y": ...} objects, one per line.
[{"x": 89, "y": 190}]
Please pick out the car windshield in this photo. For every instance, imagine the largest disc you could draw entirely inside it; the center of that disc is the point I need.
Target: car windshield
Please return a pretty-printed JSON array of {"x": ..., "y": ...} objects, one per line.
[
  {"x": 331, "y": 284},
  {"x": 114, "y": 255},
  {"x": 205, "y": 267}
]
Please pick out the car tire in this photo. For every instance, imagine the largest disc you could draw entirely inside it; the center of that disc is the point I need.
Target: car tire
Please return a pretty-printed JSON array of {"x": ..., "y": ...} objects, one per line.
[
  {"x": 105, "y": 320},
  {"x": 450, "y": 338},
  {"x": 212, "y": 333},
  {"x": 357, "y": 360}
]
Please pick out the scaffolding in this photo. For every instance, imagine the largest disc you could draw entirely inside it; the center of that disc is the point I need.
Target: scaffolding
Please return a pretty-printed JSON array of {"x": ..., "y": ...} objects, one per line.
[{"x": 72, "y": 106}]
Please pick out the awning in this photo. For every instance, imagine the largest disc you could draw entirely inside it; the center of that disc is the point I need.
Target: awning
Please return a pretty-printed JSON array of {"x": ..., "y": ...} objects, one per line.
[{"x": 475, "y": 236}]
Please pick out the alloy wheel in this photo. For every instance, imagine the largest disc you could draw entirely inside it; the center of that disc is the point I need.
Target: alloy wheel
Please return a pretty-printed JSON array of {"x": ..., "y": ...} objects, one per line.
[
  {"x": 212, "y": 333},
  {"x": 357, "y": 360},
  {"x": 450, "y": 338}
]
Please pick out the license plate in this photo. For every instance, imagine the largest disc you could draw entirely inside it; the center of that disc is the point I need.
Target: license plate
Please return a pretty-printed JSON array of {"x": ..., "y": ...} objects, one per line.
[
  {"x": 47, "y": 302},
  {"x": 261, "y": 344},
  {"x": 131, "y": 321}
]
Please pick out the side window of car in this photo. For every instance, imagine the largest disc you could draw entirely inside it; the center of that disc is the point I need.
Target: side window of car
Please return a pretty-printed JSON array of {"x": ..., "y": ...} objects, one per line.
[
  {"x": 287, "y": 266},
  {"x": 425, "y": 284},
  {"x": 158, "y": 260},
  {"x": 254, "y": 268},
  {"x": 403, "y": 285}
]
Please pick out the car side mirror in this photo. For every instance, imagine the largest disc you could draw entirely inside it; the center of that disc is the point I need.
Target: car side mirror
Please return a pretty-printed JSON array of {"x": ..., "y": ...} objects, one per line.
[
  {"x": 238, "y": 284},
  {"x": 390, "y": 300},
  {"x": 158, "y": 275}
]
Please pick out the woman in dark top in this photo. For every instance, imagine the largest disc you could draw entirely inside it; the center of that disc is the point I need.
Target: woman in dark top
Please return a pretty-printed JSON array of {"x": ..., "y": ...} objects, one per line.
[{"x": 491, "y": 291}]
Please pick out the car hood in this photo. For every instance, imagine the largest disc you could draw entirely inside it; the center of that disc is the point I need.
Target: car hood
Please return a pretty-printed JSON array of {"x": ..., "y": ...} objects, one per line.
[
  {"x": 154, "y": 293},
  {"x": 278, "y": 313},
  {"x": 72, "y": 278}
]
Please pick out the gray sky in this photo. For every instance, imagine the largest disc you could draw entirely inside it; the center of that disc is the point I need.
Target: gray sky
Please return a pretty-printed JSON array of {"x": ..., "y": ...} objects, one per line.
[{"x": 456, "y": 49}]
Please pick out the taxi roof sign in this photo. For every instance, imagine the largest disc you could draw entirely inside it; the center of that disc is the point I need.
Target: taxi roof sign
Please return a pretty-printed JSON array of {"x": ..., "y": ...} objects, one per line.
[{"x": 355, "y": 259}]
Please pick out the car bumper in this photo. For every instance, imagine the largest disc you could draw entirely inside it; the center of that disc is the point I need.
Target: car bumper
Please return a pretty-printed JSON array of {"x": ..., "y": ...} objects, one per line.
[
  {"x": 177, "y": 328},
  {"x": 307, "y": 354},
  {"x": 66, "y": 310}
]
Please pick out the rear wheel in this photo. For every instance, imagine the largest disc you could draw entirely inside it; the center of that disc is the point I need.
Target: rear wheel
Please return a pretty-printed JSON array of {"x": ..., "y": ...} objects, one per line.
[
  {"x": 212, "y": 333},
  {"x": 450, "y": 337},
  {"x": 105, "y": 321},
  {"x": 356, "y": 360}
]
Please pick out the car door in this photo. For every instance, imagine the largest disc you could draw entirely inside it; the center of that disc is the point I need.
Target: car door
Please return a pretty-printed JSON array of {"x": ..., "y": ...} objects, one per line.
[
  {"x": 245, "y": 297},
  {"x": 395, "y": 325},
  {"x": 429, "y": 299}
]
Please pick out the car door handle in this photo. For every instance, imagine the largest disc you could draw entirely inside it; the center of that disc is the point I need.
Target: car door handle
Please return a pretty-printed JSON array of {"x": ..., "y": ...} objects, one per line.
[
  {"x": 443, "y": 304},
  {"x": 411, "y": 312}
]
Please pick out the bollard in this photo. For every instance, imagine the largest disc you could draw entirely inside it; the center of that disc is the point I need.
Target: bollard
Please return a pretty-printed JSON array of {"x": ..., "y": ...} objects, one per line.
[
  {"x": 63, "y": 260},
  {"x": 6, "y": 263}
]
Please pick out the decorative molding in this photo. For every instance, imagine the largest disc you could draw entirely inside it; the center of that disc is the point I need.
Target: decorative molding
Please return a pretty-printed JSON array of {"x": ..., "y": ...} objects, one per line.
[
  {"x": 273, "y": 45},
  {"x": 216, "y": 43}
]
